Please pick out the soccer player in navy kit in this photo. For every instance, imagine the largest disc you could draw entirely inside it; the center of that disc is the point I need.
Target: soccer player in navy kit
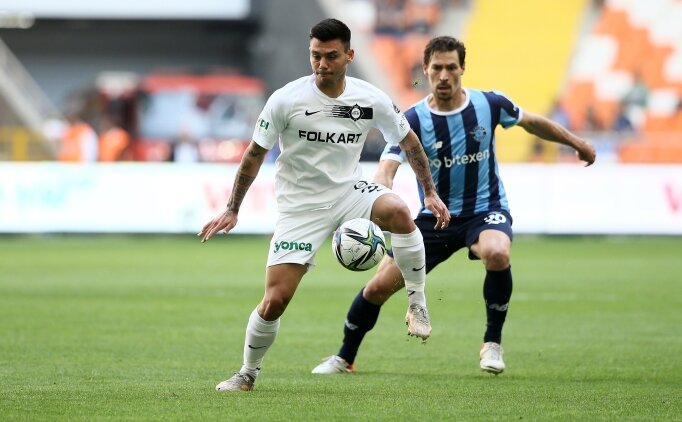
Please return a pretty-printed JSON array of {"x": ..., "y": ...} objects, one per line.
[{"x": 456, "y": 126}]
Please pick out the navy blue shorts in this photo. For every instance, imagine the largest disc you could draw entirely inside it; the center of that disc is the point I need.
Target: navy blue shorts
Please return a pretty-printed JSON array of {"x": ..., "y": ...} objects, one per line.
[{"x": 462, "y": 232}]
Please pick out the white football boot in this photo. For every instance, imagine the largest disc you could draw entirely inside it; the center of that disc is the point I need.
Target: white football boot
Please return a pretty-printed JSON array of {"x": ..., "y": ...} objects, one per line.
[
  {"x": 491, "y": 358},
  {"x": 238, "y": 382},
  {"x": 333, "y": 365},
  {"x": 417, "y": 321}
]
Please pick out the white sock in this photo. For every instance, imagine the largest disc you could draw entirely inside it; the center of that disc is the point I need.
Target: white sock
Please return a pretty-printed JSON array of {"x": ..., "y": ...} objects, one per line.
[
  {"x": 260, "y": 334},
  {"x": 409, "y": 255},
  {"x": 414, "y": 296}
]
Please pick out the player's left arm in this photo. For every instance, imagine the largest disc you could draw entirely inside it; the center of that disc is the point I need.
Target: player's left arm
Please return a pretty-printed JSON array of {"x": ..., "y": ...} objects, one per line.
[
  {"x": 386, "y": 172},
  {"x": 415, "y": 155},
  {"x": 550, "y": 130}
]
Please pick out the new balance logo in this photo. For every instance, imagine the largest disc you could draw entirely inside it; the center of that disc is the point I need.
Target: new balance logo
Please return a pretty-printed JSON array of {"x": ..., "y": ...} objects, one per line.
[
  {"x": 310, "y": 113},
  {"x": 256, "y": 348},
  {"x": 351, "y": 326},
  {"x": 496, "y": 307}
]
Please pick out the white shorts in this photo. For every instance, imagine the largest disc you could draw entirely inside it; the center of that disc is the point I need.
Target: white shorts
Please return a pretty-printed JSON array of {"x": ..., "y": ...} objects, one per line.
[{"x": 298, "y": 235}]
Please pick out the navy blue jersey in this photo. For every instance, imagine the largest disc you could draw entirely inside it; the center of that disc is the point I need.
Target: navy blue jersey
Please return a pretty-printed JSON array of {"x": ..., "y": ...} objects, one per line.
[{"x": 460, "y": 146}]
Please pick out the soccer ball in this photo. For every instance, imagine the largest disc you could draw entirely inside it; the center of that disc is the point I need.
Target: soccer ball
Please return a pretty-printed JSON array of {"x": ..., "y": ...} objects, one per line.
[{"x": 358, "y": 244}]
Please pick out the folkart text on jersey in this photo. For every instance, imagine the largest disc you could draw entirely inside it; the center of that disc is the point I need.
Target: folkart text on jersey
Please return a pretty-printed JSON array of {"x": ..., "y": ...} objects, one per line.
[{"x": 330, "y": 137}]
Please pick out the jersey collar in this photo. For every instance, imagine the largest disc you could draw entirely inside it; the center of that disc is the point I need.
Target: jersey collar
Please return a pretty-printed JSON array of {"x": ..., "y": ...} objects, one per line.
[{"x": 467, "y": 100}]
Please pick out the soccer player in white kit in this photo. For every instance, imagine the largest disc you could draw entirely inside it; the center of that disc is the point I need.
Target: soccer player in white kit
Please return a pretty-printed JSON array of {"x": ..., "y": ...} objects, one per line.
[{"x": 321, "y": 122}]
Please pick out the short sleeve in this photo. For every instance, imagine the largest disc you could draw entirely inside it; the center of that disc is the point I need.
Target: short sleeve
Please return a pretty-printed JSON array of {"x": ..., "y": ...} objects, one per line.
[
  {"x": 390, "y": 120},
  {"x": 510, "y": 113},
  {"x": 271, "y": 121}
]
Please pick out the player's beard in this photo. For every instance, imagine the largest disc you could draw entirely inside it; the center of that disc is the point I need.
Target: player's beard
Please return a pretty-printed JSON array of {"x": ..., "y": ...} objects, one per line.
[
  {"x": 329, "y": 79},
  {"x": 444, "y": 95}
]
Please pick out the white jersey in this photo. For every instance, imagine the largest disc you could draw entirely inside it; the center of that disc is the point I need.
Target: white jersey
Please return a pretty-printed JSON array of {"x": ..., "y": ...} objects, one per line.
[{"x": 321, "y": 138}]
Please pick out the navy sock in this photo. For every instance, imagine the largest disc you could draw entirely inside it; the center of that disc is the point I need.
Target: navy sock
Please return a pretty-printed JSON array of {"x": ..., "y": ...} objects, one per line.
[
  {"x": 497, "y": 290},
  {"x": 360, "y": 319}
]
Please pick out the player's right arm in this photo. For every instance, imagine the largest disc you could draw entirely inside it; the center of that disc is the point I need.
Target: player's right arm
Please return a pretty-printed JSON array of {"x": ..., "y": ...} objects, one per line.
[
  {"x": 266, "y": 133},
  {"x": 252, "y": 160},
  {"x": 550, "y": 130}
]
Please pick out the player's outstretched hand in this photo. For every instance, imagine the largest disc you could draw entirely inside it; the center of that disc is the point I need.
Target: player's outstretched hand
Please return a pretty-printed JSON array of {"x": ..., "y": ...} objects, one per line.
[
  {"x": 223, "y": 222},
  {"x": 439, "y": 210}
]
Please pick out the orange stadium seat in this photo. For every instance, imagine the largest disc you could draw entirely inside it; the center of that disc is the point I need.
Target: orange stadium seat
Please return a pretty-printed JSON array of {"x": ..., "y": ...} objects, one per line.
[
  {"x": 412, "y": 48},
  {"x": 651, "y": 68},
  {"x": 611, "y": 20},
  {"x": 576, "y": 100},
  {"x": 651, "y": 149},
  {"x": 638, "y": 53},
  {"x": 606, "y": 112},
  {"x": 677, "y": 121},
  {"x": 655, "y": 124},
  {"x": 386, "y": 49},
  {"x": 397, "y": 58},
  {"x": 632, "y": 47}
]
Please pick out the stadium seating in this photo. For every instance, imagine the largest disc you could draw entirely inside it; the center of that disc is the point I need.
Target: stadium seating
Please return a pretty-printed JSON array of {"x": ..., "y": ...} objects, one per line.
[
  {"x": 523, "y": 49},
  {"x": 626, "y": 42},
  {"x": 400, "y": 53},
  {"x": 633, "y": 40},
  {"x": 490, "y": 64}
]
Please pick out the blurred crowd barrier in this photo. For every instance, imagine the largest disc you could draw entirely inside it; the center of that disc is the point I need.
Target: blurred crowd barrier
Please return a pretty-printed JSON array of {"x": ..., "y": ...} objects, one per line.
[
  {"x": 180, "y": 198},
  {"x": 19, "y": 144}
]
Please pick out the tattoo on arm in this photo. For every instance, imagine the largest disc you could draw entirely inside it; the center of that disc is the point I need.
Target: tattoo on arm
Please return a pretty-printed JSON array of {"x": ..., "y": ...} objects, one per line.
[
  {"x": 241, "y": 186},
  {"x": 252, "y": 152},
  {"x": 420, "y": 165},
  {"x": 246, "y": 174}
]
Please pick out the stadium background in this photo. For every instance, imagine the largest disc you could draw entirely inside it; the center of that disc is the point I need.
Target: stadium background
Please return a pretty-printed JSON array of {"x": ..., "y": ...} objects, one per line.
[
  {"x": 173, "y": 74},
  {"x": 585, "y": 55},
  {"x": 141, "y": 323}
]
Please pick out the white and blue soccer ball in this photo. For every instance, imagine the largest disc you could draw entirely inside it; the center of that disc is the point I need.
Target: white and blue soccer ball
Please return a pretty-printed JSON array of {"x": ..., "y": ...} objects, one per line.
[{"x": 359, "y": 244}]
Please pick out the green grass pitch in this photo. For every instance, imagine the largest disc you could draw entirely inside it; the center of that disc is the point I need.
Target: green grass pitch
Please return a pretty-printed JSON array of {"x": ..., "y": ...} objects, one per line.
[{"x": 142, "y": 328}]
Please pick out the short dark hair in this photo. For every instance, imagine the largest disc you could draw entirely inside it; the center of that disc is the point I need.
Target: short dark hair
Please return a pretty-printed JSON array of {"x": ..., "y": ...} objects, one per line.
[
  {"x": 444, "y": 44},
  {"x": 331, "y": 29}
]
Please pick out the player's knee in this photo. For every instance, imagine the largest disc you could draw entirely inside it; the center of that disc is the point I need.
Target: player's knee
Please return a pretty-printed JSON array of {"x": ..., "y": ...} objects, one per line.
[
  {"x": 496, "y": 258},
  {"x": 398, "y": 219},
  {"x": 273, "y": 306}
]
